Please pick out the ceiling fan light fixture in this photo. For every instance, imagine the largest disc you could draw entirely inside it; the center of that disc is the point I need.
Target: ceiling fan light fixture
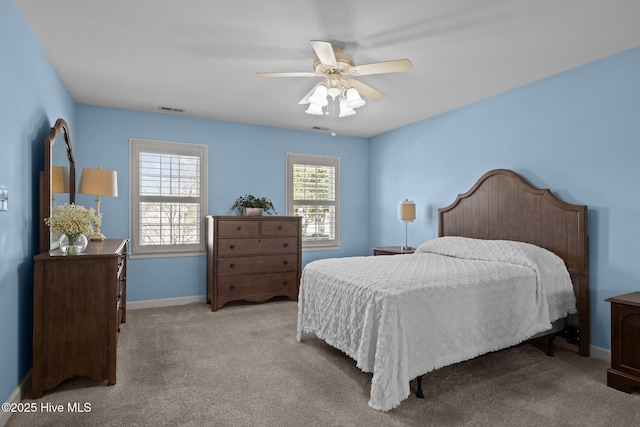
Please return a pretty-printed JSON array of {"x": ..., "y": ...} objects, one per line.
[
  {"x": 333, "y": 64},
  {"x": 333, "y": 92},
  {"x": 353, "y": 98},
  {"x": 319, "y": 96},
  {"x": 345, "y": 110},
  {"x": 315, "y": 110}
]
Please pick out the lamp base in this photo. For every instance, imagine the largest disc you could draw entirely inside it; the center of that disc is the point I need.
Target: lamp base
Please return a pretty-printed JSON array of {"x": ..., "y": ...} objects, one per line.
[{"x": 97, "y": 235}]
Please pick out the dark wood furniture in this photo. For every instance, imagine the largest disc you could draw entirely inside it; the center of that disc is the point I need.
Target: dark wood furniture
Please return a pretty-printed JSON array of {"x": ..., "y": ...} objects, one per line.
[
  {"x": 252, "y": 258},
  {"x": 624, "y": 373},
  {"x": 504, "y": 206},
  {"x": 79, "y": 303},
  {"x": 392, "y": 250}
]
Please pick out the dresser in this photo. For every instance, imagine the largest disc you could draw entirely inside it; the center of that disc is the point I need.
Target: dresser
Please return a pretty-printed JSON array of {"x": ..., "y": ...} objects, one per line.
[
  {"x": 78, "y": 306},
  {"x": 252, "y": 258},
  {"x": 624, "y": 373}
]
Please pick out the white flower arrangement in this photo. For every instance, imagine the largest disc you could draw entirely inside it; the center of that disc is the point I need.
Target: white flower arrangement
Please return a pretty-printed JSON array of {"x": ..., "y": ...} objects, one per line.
[{"x": 72, "y": 220}]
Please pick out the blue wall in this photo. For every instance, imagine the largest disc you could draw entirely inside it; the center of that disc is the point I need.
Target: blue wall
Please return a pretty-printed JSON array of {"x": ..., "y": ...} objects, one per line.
[
  {"x": 242, "y": 159},
  {"x": 32, "y": 97},
  {"x": 577, "y": 133}
]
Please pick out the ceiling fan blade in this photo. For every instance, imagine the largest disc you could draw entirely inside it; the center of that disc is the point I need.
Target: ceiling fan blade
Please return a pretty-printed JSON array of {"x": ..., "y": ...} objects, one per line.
[
  {"x": 365, "y": 90},
  {"x": 294, "y": 74},
  {"x": 325, "y": 53},
  {"x": 395, "y": 66}
]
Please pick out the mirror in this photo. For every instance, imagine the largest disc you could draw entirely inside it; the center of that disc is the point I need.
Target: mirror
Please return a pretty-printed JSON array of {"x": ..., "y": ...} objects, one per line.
[{"x": 58, "y": 181}]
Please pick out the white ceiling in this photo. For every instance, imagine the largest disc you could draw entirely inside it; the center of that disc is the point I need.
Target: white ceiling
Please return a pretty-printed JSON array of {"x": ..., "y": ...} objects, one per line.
[{"x": 202, "y": 55}]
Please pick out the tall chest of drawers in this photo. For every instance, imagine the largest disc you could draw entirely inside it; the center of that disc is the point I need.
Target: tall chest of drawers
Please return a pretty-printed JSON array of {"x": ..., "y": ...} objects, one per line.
[
  {"x": 78, "y": 306},
  {"x": 252, "y": 258}
]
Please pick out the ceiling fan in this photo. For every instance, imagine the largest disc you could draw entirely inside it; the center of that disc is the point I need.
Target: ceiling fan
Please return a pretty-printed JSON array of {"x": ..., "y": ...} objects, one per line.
[{"x": 333, "y": 64}]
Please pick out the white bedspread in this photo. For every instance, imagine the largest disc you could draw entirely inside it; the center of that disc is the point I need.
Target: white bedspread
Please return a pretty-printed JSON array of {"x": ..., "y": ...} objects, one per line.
[{"x": 454, "y": 299}]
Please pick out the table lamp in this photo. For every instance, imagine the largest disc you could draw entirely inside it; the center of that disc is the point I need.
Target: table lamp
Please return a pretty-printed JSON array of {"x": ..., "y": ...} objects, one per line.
[
  {"x": 406, "y": 214},
  {"x": 100, "y": 182}
]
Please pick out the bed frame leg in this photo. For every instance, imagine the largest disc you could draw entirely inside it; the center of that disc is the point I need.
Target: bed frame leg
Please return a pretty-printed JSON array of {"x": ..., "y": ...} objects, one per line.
[
  {"x": 550, "y": 342},
  {"x": 419, "y": 393}
]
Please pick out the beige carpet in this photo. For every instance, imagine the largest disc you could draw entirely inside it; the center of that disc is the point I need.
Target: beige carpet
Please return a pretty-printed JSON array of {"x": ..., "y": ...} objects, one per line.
[{"x": 241, "y": 366}]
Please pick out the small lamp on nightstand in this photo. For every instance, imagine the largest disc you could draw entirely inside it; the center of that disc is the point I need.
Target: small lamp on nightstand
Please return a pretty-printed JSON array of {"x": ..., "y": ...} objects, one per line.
[
  {"x": 100, "y": 182},
  {"x": 406, "y": 214}
]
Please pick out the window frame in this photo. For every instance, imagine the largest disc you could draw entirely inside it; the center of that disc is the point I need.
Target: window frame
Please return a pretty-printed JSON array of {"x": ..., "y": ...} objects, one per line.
[
  {"x": 137, "y": 146},
  {"x": 316, "y": 160}
]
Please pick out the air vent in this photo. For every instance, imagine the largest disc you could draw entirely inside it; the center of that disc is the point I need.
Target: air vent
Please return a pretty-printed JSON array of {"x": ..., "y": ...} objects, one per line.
[
  {"x": 320, "y": 129},
  {"x": 171, "y": 109}
]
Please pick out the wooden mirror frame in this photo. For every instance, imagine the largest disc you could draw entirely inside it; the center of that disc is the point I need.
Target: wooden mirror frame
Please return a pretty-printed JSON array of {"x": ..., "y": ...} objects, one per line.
[{"x": 60, "y": 127}]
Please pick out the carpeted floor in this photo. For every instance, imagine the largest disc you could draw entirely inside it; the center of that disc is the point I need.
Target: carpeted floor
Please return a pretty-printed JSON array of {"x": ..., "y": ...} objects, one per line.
[{"x": 241, "y": 366}]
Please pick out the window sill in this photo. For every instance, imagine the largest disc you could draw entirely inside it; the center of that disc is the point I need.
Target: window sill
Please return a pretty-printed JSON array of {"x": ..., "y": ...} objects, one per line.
[
  {"x": 165, "y": 255},
  {"x": 320, "y": 248}
]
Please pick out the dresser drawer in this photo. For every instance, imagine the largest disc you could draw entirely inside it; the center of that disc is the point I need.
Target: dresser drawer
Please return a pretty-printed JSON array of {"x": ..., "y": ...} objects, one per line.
[
  {"x": 267, "y": 245},
  {"x": 238, "y": 228},
  {"x": 279, "y": 228},
  {"x": 242, "y": 287},
  {"x": 257, "y": 264}
]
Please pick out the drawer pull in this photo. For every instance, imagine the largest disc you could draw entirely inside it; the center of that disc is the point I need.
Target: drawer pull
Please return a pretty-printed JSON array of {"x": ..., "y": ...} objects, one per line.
[
  {"x": 239, "y": 228},
  {"x": 279, "y": 227},
  {"x": 118, "y": 330},
  {"x": 284, "y": 283},
  {"x": 285, "y": 262},
  {"x": 232, "y": 286},
  {"x": 285, "y": 245},
  {"x": 232, "y": 265},
  {"x": 232, "y": 246}
]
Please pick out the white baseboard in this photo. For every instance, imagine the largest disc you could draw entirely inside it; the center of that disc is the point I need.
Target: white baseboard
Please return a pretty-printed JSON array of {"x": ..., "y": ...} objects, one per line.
[
  {"x": 166, "y": 302},
  {"x": 16, "y": 396}
]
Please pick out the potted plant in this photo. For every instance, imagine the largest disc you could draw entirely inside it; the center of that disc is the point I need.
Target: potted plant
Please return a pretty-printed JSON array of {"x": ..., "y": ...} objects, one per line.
[
  {"x": 251, "y": 205},
  {"x": 73, "y": 223}
]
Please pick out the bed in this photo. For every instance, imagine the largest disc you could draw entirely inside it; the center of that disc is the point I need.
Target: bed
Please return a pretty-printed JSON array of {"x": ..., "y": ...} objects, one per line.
[{"x": 510, "y": 263}]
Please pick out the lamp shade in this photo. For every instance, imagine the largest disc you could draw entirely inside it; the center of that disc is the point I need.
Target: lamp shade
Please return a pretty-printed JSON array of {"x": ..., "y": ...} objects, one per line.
[
  {"x": 319, "y": 96},
  {"x": 407, "y": 211},
  {"x": 315, "y": 109},
  {"x": 353, "y": 98},
  {"x": 345, "y": 111},
  {"x": 100, "y": 182},
  {"x": 59, "y": 179}
]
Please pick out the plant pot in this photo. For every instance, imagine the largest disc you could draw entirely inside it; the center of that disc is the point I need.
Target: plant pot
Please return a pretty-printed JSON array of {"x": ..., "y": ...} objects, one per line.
[{"x": 253, "y": 211}]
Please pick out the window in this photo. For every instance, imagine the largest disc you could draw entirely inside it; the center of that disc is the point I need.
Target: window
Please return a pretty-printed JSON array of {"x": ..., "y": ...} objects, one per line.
[
  {"x": 313, "y": 184},
  {"x": 168, "y": 198}
]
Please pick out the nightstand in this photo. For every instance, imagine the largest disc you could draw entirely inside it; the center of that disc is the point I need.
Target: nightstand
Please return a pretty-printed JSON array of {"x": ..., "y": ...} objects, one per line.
[
  {"x": 392, "y": 250},
  {"x": 624, "y": 374}
]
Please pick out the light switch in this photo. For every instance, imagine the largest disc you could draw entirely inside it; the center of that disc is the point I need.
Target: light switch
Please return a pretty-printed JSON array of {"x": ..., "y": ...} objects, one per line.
[{"x": 4, "y": 199}]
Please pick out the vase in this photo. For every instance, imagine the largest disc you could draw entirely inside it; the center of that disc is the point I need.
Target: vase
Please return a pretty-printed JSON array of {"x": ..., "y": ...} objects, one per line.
[
  {"x": 253, "y": 211},
  {"x": 74, "y": 247}
]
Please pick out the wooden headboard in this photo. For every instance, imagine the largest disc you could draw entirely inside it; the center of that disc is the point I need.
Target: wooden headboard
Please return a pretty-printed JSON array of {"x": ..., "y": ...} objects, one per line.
[{"x": 504, "y": 206}]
